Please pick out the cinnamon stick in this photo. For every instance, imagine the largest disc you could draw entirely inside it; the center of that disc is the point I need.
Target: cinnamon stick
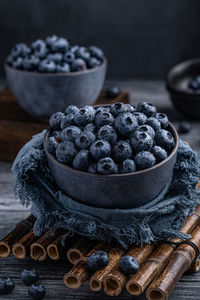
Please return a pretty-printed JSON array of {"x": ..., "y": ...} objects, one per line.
[
  {"x": 195, "y": 266},
  {"x": 15, "y": 235},
  {"x": 153, "y": 265},
  {"x": 22, "y": 248},
  {"x": 79, "y": 249},
  {"x": 179, "y": 262},
  {"x": 115, "y": 281},
  {"x": 97, "y": 279}
]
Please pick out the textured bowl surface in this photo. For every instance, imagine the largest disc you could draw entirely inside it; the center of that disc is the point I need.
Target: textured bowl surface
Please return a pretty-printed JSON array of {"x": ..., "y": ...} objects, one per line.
[
  {"x": 114, "y": 191},
  {"x": 184, "y": 99},
  {"x": 42, "y": 94}
]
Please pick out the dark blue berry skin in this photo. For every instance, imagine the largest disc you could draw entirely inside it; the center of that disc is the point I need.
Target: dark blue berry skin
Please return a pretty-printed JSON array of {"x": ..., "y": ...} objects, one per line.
[
  {"x": 128, "y": 166},
  {"x": 71, "y": 109},
  {"x": 84, "y": 140},
  {"x": 37, "y": 292},
  {"x": 70, "y": 133},
  {"x": 17, "y": 63},
  {"x": 106, "y": 166},
  {"x": 51, "y": 144},
  {"x": 78, "y": 65},
  {"x": 56, "y": 57},
  {"x": 66, "y": 152},
  {"x": 184, "y": 127},
  {"x": 90, "y": 127},
  {"x": 129, "y": 264},
  {"x": 146, "y": 108},
  {"x": 30, "y": 62},
  {"x": 50, "y": 40},
  {"x": 20, "y": 49},
  {"x": 96, "y": 52},
  {"x": 159, "y": 153},
  {"x": 102, "y": 109},
  {"x": 194, "y": 84},
  {"x": 39, "y": 48},
  {"x": 7, "y": 285},
  {"x": 63, "y": 67},
  {"x": 164, "y": 139},
  {"x": 73, "y": 48},
  {"x": 126, "y": 124},
  {"x": 93, "y": 62},
  {"x": 154, "y": 123},
  {"x": 98, "y": 260},
  {"x": 59, "y": 45},
  {"x": 55, "y": 120},
  {"x": 113, "y": 92},
  {"x": 131, "y": 108},
  {"x": 144, "y": 160},
  {"x": 118, "y": 108},
  {"x": 82, "y": 53},
  {"x": 121, "y": 151},
  {"x": 99, "y": 149},
  {"x": 92, "y": 168},
  {"x": 140, "y": 117},
  {"x": 69, "y": 57},
  {"x": 84, "y": 115},
  {"x": 82, "y": 160},
  {"x": 56, "y": 134},
  {"x": 147, "y": 129},
  {"x": 163, "y": 119},
  {"x": 107, "y": 133},
  {"x": 29, "y": 277},
  {"x": 47, "y": 66},
  {"x": 68, "y": 120},
  {"x": 141, "y": 141}
]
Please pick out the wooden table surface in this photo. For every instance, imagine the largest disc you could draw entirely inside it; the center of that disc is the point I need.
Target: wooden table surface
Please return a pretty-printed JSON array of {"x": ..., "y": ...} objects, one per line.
[{"x": 51, "y": 273}]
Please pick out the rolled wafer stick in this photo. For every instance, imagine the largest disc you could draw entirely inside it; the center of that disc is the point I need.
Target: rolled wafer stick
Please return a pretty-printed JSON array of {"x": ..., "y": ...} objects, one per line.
[
  {"x": 15, "y": 235},
  {"x": 179, "y": 262},
  {"x": 118, "y": 278},
  {"x": 79, "y": 249},
  {"x": 97, "y": 279},
  {"x": 153, "y": 265},
  {"x": 80, "y": 271},
  {"x": 22, "y": 248}
]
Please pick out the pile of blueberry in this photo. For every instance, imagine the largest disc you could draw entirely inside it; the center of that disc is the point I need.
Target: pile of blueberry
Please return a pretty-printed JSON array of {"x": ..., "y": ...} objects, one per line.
[
  {"x": 194, "y": 84},
  {"x": 54, "y": 54},
  {"x": 109, "y": 140}
]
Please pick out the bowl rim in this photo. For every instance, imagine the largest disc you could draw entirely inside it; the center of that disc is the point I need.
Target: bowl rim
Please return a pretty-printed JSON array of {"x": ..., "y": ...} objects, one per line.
[
  {"x": 104, "y": 63},
  {"x": 79, "y": 172}
]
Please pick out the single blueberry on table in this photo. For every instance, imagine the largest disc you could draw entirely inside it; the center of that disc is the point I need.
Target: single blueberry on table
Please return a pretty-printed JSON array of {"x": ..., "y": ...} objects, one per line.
[
  {"x": 84, "y": 140},
  {"x": 78, "y": 65},
  {"x": 69, "y": 57},
  {"x": 141, "y": 141},
  {"x": 84, "y": 115},
  {"x": 71, "y": 109},
  {"x": 63, "y": 67},
  {"x": 146, "y": 108},
  {"x": 128, "y": 166},
  {"x": 113, "y": 91},
  {"x": 129, "y": 264},
  {"x": 159, "y": 153},
  {"x": 103, "y": 118},
  {"x": 47, "y": 66},
  {"x": 107, "y": 133},
  {"x": 96, "y": 52},
  {"x": 164, "y": 139},
  {"x": 92, "y": 168},
  {"x": 118, "y": 108},
  {"x": 163, "y": 119},
  {"x": 126, "y": 124},
  {"x": 55, "y": 120},
  {"x": 39, "y": 48},
  {"x": 154, "y": 123},
  {"x": 37, "y": 291},
  {"x": 147, "y": 129},
  {"x": 140, "y": 117},
  {"x": 68, "y": 120},
  {"x": 184, "y": 127},
  {"x": 30, "y": 62},
  {"x": 98, "y": 260},
  {"x": 82, "y": 160},
  {"x": 83, "y": 53},
  {"x": 70, "y": 133},
  {"x": 17, "y": 63},
  {"x": 7, "y": 285},
  {"x": 59, "y": 45},
  {"x": 65, "y": 152},
  {"x": 56, "y": 57},
  {"x": 99, "y": 149},
  {"x": 144, "y": 160},
  {"x": 121, "y": 151},
  {"x": 29, "y": 277},
  {"x": 51, "y": 144},
  {"x": 106, "y": 166},
  {"x": 90, "y": 127}
]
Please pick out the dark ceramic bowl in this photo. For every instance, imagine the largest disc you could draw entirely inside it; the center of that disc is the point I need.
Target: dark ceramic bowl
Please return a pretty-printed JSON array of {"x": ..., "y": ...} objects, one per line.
[
  {"x": 42, "y": 94},
  {"x": 114, "y": 191},
  {"x": 184, "y": 99}
]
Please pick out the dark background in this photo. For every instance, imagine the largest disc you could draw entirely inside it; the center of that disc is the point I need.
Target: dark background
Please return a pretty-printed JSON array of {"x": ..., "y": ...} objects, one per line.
[{"x": 141, "y": 38}]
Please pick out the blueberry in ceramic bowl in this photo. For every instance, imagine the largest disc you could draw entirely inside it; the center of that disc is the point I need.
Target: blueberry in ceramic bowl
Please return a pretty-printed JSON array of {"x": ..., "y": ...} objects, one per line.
[
  {"x": 50, "y": 74},
  {"x": 183, "y": 84},
  {"x": 116, "y": 165}
]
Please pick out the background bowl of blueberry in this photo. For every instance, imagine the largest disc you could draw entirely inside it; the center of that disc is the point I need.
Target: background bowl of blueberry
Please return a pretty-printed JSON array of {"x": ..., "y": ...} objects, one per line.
[
  {"x": 50, "y": 74},
  {"x": 116, "y": 156},
  {"x": 183, "y": 84}
]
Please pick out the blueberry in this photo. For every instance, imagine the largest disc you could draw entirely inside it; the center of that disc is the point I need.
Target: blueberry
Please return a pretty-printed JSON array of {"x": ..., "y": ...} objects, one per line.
[
  {"x": 128, "y": 166},
  {"x": 92, "y": 168},
  {"x": 154, "y": 123},
  {"x": 140, "y": 117},
  {"x": 194, "y": 85},
  {"x": 84, "y": 140},
  {"x": 82, "y": 160},
  {"x": 126, "y": 124},
  {"x": 68, "y": 120},
  {"x": 71, "y": 109},
  {"x": 29, "y": 277},
  {"x": 129, "y": 264},
  {"x": 118, "y": 108},
  {"x": 78, "y": 65},
  {"x": 39, "y": 48},
  {"x": 70, "y": 133},
  {"x": 147, "y": 129},
  {"x": 102, "y": 109},
  {"x": 112, "y": 91},
  {"x": 82, "y": 53},
  {"x": 107, "y": 133},
  {"x": 90, "y": 127},
  {"x": 144, "y": 160},
  {"x": 7, "y": 285},
  {"x": 84, "y": 115},
  {"x": 121, "y": 151},
  {"x": 146, "y": 108},
  {"x": 59, "y": 45},
  {"x": 96, "y": 52},
  {"x": 47, "y": 66},
  {"x": 106, "y": 166},
  {"x": 69, "y": 57},
  {"x": 164, "y": 139},
  {"x": 30, "y": 62},
  {"x": 17, "y": 63},
  {"x": 73, "y": 48},
  {"x": 51, "y": 144},
  {"x": 141, "y": 141},
  {"x": 99, "y": 149},
  {"x": 98, "y": 260},
  {"x": 65, "y": 152},
  {"x": 163, "y": 119},
  {"x": 130, "y": 108},
  {"x": 93, "y": 62},
  {"x": 63, "y": 67},
  {"x": 184, "y": 127},
  {"x": 56, "y": 134},
  {"x": 37, "y": 292},
  {"x": 51, "y": 39},
  {"x": 56, "y": 57},
  {"x": 20, "y": 50},
  {"x": 159, "y": 153},
  {"x": 103, "y": 118},
  {"x": 9, "y": 59},
  {"x": 55, "y": 120}
]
